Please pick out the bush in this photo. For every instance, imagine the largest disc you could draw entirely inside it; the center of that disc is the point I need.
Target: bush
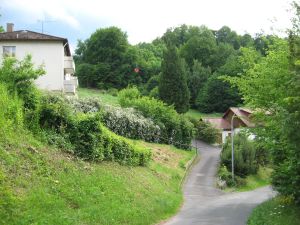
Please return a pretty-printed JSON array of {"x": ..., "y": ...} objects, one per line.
[
  {"x": 11, "y": 112},
  {"x": 93, "y": 141},
  {"x": 245, "y": 162},
  {"x": 175, "y": 129},
  {"x": 55, "y": 113},
  {"x": 204, "y": 131},
  {"x": 18, "y": 77},
  {"x": 86, "y": 105},
  {"x": 129, "y": 123}
]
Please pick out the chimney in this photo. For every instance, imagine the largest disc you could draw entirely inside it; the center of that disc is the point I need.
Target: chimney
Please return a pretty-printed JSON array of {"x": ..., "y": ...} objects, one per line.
[{"x": 9, "y": 27}]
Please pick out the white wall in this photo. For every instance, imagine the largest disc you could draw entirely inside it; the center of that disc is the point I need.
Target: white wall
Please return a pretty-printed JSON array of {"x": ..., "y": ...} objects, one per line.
[{"x": 48, "y": 53}]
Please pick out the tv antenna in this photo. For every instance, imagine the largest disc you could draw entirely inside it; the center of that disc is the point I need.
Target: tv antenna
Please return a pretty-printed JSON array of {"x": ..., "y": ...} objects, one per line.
[{"x": 44, "y": 21}]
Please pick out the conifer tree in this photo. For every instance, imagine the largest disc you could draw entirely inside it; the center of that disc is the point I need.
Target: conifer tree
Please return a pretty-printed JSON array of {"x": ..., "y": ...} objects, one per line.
[{"x": 173, "y": 88}]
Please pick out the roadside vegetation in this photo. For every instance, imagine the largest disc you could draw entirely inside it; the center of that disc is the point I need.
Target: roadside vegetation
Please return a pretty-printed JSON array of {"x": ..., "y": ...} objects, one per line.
[
  {"x": 60, "y": 164},
  {"x": 277, "y": 211}
]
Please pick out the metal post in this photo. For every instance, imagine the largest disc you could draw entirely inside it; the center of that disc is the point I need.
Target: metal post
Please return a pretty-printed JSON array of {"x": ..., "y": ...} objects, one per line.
[{"x": 232, "y": 148}]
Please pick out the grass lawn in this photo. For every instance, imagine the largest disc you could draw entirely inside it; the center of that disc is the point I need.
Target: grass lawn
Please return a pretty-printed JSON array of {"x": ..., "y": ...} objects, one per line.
[
  {"x": 197, "y": 115},
  {"x": 42, "y": 185},
  {"x": 277, "y": 211},
  {"x": 262, "y": 178},
  {"x": 105, "y": 97}
]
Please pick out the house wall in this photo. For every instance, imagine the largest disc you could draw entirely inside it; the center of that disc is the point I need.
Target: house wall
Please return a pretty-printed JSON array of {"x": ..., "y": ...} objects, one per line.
[{"x": 48, "y": 53}]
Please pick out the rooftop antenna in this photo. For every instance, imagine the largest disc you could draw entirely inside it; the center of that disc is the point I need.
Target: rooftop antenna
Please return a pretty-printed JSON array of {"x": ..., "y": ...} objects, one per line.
[{"x": 44, "y": 21}]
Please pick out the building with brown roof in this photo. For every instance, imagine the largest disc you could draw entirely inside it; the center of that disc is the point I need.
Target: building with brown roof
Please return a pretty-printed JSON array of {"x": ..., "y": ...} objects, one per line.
[
  {"x": 50, "y": 51},
  {"x": 240, "y": 117}
]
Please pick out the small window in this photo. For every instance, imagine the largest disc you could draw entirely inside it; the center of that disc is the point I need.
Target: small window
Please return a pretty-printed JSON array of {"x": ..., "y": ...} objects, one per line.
[{"x": 9, "y": 51}]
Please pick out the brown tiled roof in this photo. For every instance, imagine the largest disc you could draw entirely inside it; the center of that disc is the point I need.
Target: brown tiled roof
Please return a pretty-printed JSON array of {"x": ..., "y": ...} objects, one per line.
[
  {"x": 26, "y": 35},
  {"x": 242, "y": 113},
  {"x": 219, "y": 123},
  {"x": 223, "y": 123}
]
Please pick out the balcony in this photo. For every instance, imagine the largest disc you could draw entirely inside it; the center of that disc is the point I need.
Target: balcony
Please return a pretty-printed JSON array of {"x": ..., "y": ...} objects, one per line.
[
  {"x": 69, "y": 65},
  {"x": 70, "y": 85}
]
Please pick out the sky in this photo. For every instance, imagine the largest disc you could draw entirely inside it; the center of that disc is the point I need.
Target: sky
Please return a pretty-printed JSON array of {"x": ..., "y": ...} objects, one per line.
[{"x": 143, "y": 20}]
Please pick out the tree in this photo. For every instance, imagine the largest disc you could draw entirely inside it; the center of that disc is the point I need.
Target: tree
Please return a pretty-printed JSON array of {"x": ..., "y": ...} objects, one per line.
[
  {"x": 226, "y": 35},
  {"x": 217, "y": 96},
  {"x": 272, "y": 85},
  {"x": 200, "y": 47},
  {"x": 108, "y": 58},
  {"x": 173, "y": 87},
  {"x": 197, "y": 80}
]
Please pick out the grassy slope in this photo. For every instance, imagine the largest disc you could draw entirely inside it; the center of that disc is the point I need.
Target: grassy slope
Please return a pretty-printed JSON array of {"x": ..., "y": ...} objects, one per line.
[
  {"x": 41, "y": 185},
  {"x": 113, "y": 100},
  {"x": 197, "y": 115},
  {"x": 275, "y": 212},
  {"x": 262, "y": 178},
  {"x": 105, "y": 97}
]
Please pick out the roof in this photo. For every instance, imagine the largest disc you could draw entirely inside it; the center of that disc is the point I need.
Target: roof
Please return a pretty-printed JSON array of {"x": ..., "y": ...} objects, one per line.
[
  {"x": 219, "y": 123},
  {"x": 242, "y": 113},
  {"x": 223, "y": 123},
  {"x": 26, "y": 35}
]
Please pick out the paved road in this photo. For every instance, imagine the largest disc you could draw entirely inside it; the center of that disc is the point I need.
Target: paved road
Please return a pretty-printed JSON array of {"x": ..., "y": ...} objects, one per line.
[{"x": 206, "y": 205}]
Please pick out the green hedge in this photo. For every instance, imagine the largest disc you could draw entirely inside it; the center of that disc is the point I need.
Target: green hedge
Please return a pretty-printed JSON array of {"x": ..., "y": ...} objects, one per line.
[
  {"x": 175, "y": 128},
  {"x": 89, "y": 139},
  {"x": 93, "y": 141}
]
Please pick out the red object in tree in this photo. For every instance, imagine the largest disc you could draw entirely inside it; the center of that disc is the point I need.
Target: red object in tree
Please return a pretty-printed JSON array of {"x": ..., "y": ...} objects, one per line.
[{"x": 136, "y": 70}]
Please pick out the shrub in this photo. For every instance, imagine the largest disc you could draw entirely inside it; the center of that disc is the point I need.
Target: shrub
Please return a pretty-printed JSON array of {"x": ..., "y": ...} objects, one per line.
[
  {"x": 93, "y": 141},
  {"x": 86, "y": 105},
  {"x": 55, "y": 113},
  {"x": 11, "y": 112},
  {"x": 245, "y": 162},
  {"x": 174, "y": 128},
  {"x": 129, "y": 123},
  {"x": 204, "y": 131},
  {"x": 18, "y": 77}
]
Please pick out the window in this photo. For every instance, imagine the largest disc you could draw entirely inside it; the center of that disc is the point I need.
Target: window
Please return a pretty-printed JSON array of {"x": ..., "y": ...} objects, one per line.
[{"x": 9, "y": 51}]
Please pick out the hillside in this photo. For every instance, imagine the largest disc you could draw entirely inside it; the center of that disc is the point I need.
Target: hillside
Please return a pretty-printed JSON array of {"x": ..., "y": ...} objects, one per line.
[{"x": 43, "y": 185}]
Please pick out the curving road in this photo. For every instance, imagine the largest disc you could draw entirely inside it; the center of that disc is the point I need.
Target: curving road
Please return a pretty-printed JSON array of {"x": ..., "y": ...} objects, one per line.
[{"x": 206, "y": 205}]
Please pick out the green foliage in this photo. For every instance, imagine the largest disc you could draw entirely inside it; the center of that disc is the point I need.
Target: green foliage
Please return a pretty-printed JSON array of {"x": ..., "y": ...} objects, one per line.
[
  {"x": 11, "y": 112},
  {"x": 55, "y": 114},
  {"x": 204, "y": 131},
  {"x": 279, "y": 96},
  {"x": 7, "y": 200},
  {"x": 106, "y": 60},
  {"x": 197, "y": 80},
  {"x": 18, "y": 77},
  {"x": 245, "y": 162},
  {"x": 129, "y": 123},
  {"x": 217, "y": 96},
  {"x": 276, "y": 211},
  {"x": 175, "y": 129},
  {"x": 152, "y": 83},
  {"x": 173, "y": 88},
  {"x": 199, "y": 47},
  {"x": 95, "y": 142}
]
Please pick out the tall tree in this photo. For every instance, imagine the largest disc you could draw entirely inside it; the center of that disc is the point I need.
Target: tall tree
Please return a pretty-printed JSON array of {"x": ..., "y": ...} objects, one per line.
[
  {"x": 109, "y": 58},
  {"x": 197, "y": 80},
  {"x": 173, "y": 88}
]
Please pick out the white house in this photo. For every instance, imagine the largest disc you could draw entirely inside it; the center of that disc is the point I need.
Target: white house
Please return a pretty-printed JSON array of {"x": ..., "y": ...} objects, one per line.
[
  {"x": 50, "y": 51},
  {"x": 241, "y": 119}
]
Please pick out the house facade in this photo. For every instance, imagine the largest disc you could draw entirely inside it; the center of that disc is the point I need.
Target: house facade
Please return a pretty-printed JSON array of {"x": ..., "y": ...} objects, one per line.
[
  {"x": 240, "y": 118},
  {"x": 50, "y": 51}
]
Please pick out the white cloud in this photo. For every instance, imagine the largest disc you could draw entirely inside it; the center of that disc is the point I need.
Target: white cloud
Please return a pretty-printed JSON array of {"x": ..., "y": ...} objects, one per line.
[{"x": 145, "y": 20}]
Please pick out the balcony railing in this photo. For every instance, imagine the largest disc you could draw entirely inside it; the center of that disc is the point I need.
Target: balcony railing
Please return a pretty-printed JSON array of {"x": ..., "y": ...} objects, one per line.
[
  {"x": 70, "y": 85},
  {"x": 69, "y": 65}
]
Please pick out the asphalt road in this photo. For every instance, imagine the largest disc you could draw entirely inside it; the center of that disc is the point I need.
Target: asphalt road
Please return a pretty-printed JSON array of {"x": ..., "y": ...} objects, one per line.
[{"x": 205, "y": 204}]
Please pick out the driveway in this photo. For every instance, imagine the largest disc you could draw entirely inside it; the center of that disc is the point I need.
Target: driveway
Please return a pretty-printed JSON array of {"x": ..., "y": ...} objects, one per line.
[{"x": 206, "y": 205}]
